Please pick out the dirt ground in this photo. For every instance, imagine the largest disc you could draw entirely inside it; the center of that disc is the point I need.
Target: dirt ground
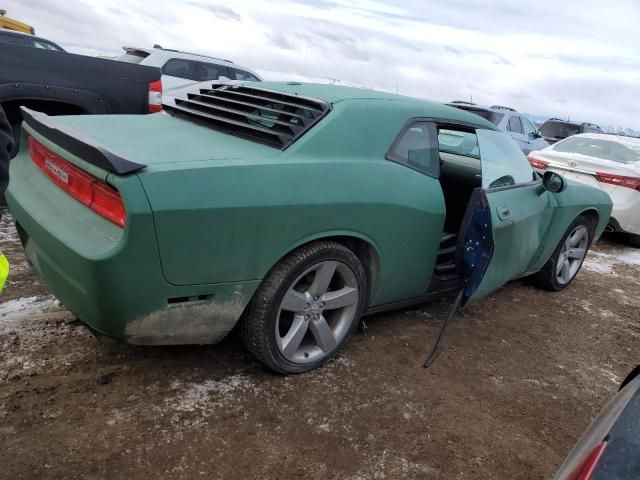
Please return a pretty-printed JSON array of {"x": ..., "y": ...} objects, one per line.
[{"x": 521, "y": 375}]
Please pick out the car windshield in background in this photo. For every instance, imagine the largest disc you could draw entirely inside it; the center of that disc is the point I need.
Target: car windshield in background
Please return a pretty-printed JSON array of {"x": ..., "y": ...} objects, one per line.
[
  {"x": 593, "y": 147},
  {"x": 559, "y": 129}
]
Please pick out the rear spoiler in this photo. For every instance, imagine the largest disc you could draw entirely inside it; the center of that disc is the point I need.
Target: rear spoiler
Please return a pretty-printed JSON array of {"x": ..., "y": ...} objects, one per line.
[{"x": 77, "y": 144}]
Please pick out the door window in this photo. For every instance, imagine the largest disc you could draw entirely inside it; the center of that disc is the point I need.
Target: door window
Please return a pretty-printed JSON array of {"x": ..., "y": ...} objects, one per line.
[
  {"x": 503, "y": 163},
  {"x": 177, "y": 67},
  {"x": 515, "y": 125},
  {"x": 529, "y": 128},
  {"x": 243, "y": 75},
  {"x": 417, "y": 148},
  {"x": 210, "y": 71}
]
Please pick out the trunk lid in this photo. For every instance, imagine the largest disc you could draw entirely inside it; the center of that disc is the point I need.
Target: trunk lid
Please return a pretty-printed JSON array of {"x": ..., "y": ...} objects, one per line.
[{"x": 157, "y": 140}]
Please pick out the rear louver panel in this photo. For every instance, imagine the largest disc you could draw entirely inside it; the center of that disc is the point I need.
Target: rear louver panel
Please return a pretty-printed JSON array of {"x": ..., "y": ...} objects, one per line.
[{"x": 273, "y": 118}]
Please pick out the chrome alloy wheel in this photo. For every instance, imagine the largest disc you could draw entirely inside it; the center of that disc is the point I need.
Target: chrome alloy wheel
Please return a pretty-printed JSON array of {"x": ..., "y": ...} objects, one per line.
[
  {"x": 572, "y": 254},
  {"x": 317, "y": 312}
]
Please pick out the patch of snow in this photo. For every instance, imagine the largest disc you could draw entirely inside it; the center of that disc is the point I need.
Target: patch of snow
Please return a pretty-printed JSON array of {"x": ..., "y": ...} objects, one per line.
[{"x": 25, "y": 307}]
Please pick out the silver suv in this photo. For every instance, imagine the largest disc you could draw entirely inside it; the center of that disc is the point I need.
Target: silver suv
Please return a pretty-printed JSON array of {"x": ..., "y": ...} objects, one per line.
[
  {"x": 182, "y": 69},
  {"x": 521, "y": 129}
]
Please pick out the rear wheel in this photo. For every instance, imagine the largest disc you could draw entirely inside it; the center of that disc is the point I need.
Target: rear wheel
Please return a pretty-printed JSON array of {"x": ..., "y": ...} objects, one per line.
[
  {"x": 306, "y": 308},
  {"x": 565, "y": 263}
]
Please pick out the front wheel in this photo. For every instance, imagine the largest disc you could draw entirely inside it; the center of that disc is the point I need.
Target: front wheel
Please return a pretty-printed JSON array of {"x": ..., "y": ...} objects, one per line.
[
  {"x": 564, "y": 264},
  {"x": 306, "y": 308}
]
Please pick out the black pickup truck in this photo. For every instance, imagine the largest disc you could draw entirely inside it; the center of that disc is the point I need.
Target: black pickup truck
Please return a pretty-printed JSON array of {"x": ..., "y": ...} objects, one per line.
[{"x": 61, "y": 83}]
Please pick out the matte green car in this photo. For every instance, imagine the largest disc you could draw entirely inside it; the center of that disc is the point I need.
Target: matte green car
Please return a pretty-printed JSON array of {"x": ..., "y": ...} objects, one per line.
[{"x": 290, "y": 210}]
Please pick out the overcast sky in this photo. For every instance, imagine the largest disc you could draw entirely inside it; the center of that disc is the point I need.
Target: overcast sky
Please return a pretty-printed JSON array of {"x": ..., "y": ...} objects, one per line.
[{"x": 576, "y": 58}]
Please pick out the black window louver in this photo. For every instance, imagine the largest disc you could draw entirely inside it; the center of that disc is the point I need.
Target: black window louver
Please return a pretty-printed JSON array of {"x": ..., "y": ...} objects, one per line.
[{"x": 274, "y": 118}]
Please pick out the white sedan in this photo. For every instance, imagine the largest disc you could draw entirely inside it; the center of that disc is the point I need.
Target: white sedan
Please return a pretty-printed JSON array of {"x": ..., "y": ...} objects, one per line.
[{"x": 609, "y": 162}]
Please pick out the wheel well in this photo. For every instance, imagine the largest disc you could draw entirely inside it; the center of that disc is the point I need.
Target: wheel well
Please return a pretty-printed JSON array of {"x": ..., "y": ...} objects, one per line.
[
  {"x": 592, "y": 217},
  {"x": 365, "y": 253},
  {"x": 12, "y": 108}
]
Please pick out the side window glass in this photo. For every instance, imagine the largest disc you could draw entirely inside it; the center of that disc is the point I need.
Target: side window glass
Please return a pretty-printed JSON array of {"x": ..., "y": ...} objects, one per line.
[
  {"x": 503, "y": 163},
  {"x": 529, "y": 128},
  {"x": 514, "y": 125},
  {"x": 243, "y": 75},
  {"x": 416, "y": 147},
  {"x": 458, "y": 142},
  {"x": 177, "y": 67},
  {"x": 209, "y": 71}
]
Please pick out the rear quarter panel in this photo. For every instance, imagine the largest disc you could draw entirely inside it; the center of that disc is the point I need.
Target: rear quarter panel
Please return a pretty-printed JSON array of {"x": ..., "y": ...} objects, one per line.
[{"x": 233, "y": 223}]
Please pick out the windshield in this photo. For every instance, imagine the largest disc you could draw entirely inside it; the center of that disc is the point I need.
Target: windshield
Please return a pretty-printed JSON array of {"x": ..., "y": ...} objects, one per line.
[
  {"x": 559, "y": 129},
  {"x": 605, "y": 149}
]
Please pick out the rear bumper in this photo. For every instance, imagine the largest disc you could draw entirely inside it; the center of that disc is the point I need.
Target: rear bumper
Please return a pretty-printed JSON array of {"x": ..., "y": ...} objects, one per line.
[{"x": 111, "y": 278}]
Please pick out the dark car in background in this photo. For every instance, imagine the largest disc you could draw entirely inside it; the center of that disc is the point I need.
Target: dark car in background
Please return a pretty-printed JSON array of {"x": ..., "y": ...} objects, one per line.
[
  {"x": 9, "y": 37},
  {"x": 610, "y": 448},
  {"x": 52, "y": 81},
  {"x": 507, "y": 119},
  {"x": 556, "y": 129}
]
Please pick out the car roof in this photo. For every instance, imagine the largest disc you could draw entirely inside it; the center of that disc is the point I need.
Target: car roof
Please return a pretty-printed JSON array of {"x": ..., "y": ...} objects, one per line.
[
  {"x": 338, "y": 93},
  {"x": 8, "y": 31}
]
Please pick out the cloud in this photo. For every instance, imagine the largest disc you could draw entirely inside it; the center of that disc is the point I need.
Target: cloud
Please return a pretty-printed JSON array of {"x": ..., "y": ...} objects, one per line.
[{"x": 576, "y": 58}]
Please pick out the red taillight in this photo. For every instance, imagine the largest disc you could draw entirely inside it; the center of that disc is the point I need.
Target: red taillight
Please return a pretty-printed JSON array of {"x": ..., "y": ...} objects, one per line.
[
  {"x": 585, "y": 470},
  {"x": 619, "y": 180},
  {"x": 99, "y": 196},
  {"x": 155, "y": 97},
  {"x": 537, "y": 163}
]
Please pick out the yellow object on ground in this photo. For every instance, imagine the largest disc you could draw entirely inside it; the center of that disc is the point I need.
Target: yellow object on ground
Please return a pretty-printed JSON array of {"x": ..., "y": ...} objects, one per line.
[
  {"x": 4, "y": 270},
  {"x": 11, "y": 24}
]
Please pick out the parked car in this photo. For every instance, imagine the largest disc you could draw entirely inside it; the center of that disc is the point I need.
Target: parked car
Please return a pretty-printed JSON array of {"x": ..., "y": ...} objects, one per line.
[
  {"x": 610, "y": 448},
  {"x": 9, "y": 37},
  {"x": 60, "y": 83},
  {"x": 291, "y": 209},
  {"x": 555, "y": 129},
  {"x": 608, "y": 162},
  {"x": 519, "y": 127},
  {"x": 183, "y": 69}
]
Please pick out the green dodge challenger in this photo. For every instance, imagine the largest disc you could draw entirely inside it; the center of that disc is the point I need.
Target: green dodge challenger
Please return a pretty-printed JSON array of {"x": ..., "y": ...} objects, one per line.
[{"x": 290, "y": 210}]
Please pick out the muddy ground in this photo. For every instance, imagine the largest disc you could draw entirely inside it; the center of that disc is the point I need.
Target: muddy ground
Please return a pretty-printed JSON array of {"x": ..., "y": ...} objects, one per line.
[{"x": 520, "y": 377}]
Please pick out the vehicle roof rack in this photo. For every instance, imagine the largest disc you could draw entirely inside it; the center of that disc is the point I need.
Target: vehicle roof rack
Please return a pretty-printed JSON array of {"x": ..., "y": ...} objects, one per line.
[
  {"x": 502, "y": 107},
  {"x": 556, "y": 119},
  {"x": 462, "y": 102},
  {"x": 590, "y": 124},
  {"x": 270, "y": 117}
]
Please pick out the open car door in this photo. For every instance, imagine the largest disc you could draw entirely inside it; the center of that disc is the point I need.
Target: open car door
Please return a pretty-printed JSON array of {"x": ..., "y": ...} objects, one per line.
[{"x": 506, "y": 219}]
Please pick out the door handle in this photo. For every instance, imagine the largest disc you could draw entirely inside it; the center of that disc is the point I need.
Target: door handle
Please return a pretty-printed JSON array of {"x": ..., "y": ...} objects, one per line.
[{"x": 503, "y": 212}]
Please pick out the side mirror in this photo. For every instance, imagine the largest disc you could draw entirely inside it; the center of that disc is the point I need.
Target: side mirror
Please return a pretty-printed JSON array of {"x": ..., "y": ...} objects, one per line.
[
  {"x": 534, "y": 135},
  {"x": 554, "y": 182}
]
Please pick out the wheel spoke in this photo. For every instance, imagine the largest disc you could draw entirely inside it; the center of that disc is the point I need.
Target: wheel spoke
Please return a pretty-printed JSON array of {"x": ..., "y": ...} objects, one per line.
[
  {"x": 294, "y": 301},
  {"x": 577, "y": 236},
  {"x": 322, "y": 333},
  {"x": 577, "y": 253},
  {"x": 340, "y": 298},
  {"x": 566, "y": 271},
  {"x": 323, "y": 276},
  {"x": 291, "y": 341},
  {"x": 559, "y": 266}
]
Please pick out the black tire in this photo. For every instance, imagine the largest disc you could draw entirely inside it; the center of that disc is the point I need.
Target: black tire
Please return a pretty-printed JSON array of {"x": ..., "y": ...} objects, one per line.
[
  {"x": 633, "y": 240},
  {"x": 546, "y": 278},
  {"x": 258, "y": 324},
  {"x": 15, "y": 130}
]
